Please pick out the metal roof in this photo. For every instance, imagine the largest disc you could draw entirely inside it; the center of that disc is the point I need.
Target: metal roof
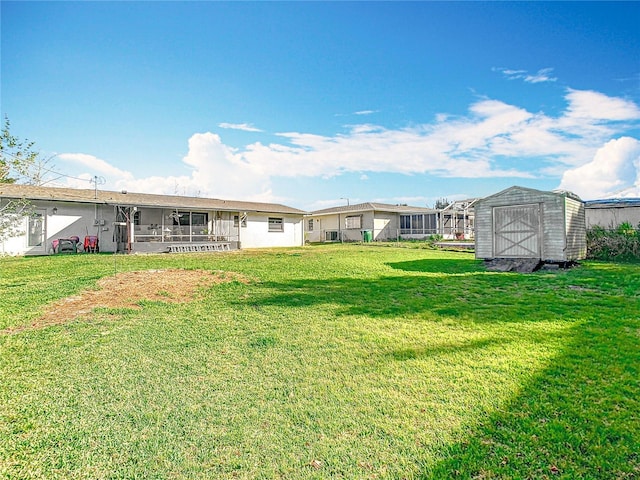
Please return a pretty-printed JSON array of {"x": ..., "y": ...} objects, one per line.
[
  {"x": 372, "y": 206},
  {"x": 613, "y": 203},
  {"x": 124, "y": 198}
]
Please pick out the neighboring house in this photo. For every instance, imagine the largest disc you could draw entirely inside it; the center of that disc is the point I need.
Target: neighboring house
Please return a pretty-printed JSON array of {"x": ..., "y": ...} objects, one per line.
[
  {"x": 525, "y": 223},
  {"x": 612, "y": 212},
  {"x": 137, "y": 222},
  {"x": 370, "y": 221}
]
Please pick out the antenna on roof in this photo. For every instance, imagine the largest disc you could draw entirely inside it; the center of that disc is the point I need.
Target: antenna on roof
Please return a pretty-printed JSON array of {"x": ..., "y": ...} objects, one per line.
[{"x": 96, "y": 180}]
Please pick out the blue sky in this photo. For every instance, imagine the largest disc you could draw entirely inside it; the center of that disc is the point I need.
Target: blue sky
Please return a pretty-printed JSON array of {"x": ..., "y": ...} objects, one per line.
[{"x": 311, "y": 103}]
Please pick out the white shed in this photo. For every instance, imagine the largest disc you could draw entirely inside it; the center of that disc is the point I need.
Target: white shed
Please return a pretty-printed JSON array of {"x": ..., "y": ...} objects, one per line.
[{"x": 525, "y": 223}]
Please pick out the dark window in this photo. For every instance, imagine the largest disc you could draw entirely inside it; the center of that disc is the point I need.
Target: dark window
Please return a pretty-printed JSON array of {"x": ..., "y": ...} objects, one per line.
[{"x": 276, "y": 224}]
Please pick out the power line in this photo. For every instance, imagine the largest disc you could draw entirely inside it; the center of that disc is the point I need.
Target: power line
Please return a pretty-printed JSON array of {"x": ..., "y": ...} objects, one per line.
[{"x": 90, "y": 180}]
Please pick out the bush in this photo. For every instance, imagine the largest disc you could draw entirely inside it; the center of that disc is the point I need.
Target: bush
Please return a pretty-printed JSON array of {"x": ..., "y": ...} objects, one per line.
[{"x": 619, "y": 244}]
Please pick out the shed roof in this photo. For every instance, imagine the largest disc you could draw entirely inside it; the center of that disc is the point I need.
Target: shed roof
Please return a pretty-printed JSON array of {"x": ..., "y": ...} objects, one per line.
[
  {"x": 372, "y": 206},
  {"x": 562, "y": 193},
  {"x": 138, "y": 199}
]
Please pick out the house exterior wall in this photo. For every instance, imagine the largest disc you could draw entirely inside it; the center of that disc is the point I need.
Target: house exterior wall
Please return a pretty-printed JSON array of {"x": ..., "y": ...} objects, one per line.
[
  {"x": 79, "y": 219},
  {"x": 386, "y": 226},
  {"x": 257, "y": 235},
  {"x": 612, "y": 216},
  {"x": 70, "y": 219},
  {"x": 553, "y": 225}
]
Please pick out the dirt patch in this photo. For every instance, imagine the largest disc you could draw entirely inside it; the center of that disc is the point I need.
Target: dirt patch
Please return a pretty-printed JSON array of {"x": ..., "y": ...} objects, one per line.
[{"x": 127, "y": 289}]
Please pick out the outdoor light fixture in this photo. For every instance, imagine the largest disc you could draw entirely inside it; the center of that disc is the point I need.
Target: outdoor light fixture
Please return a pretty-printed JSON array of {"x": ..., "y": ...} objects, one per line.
[{"x": 55, "y": 210}]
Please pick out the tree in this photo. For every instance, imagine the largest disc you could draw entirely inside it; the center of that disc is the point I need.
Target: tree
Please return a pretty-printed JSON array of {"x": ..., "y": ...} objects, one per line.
[
  {"x": 441, "y": 203},
  {"x": 19, "y": 163}
]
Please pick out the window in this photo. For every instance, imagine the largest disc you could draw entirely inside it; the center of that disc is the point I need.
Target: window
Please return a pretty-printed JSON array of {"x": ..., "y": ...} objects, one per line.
[
  {"x": 198, "y": 219},
  {"x": 354, "y": 221},
  {"x": 236, "y": 220},
  {"x": 276, "y": 224},
  {"x": 136, "y": 218},
  {"x": 310, "y": 227},
  {"x": 419, "y": 224},
  {"x": 331, "y": 236}
]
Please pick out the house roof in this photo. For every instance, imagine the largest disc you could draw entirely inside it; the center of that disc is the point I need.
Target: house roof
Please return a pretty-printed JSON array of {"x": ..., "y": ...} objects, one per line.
[
  {"x": 613, "y": 203},
  {"x": 371, "y": 206},
  {"x": 138, "y": 199}
]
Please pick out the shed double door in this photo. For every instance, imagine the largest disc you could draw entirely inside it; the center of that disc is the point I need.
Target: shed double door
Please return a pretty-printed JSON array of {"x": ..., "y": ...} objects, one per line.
[{"x": 517, "y": 232}]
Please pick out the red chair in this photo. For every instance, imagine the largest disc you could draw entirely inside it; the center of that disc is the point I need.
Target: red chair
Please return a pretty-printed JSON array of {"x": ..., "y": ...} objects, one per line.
[{"x": 91, "y": 244}]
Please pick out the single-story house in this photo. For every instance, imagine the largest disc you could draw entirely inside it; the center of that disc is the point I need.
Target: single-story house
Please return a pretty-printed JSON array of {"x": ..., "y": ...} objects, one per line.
[
  {"x": 610, "y": 213},
  {"x": 140, "y": 222},
  {"x": 370, "y": 222},
  {"x": 524, "y": 223}
]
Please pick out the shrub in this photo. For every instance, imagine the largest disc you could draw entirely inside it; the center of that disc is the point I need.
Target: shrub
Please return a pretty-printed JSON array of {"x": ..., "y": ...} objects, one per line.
[{"x": 619, "y": 244}]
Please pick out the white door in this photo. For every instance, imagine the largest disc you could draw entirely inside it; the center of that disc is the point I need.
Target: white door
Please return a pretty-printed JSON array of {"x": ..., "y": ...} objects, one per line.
[{"x": 517, "y": 231}]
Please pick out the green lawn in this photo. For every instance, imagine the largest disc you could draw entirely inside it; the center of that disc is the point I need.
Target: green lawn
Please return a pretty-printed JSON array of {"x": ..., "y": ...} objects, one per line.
[{"x": 339, "y": 361}]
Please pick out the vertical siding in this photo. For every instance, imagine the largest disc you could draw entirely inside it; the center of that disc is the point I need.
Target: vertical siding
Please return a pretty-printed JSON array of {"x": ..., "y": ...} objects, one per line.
[
  {"x": 576, "y": 230},
  {"x": 559, "y": 216}
]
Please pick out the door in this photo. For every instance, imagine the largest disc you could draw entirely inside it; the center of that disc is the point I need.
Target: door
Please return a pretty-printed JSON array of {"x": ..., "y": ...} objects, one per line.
[
  {"x": 36, "y": 231},
  {"x": 517, "y": 231}
]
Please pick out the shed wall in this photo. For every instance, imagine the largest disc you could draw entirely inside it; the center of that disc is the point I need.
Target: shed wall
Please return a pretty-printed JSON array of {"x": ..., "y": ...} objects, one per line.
[
  {"x": 576, "y": 230},
  {"x": 554, "y": 226}
]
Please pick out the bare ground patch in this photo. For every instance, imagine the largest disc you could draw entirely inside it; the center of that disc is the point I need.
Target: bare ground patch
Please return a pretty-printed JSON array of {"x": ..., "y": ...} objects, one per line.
[{"x": 127, "y": 289}]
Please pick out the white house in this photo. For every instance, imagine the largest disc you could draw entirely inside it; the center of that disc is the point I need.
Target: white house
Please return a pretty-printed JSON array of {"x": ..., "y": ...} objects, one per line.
[
  {"x": 370, "y": 221},
  {"x": 137, "y": 222}
]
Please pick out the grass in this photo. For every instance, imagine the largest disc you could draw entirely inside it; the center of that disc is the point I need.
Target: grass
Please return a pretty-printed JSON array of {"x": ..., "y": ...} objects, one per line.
[{"x": 334, "y": 362}]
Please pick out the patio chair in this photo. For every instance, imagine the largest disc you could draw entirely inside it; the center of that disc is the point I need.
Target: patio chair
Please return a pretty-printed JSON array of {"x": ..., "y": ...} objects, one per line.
[{"x": 91, "y": 244}]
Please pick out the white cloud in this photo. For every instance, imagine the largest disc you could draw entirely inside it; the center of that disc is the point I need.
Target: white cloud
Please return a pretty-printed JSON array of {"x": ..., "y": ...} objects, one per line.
[
  {"x": 94, "y": 164},
  {"x": 246, "y": 127},
  {"x": 542, "y": 75},
  {"x": 615, "y": 169},
  {"x": 494, "y": 139},
  {"x": 590, "y": 105},
  {"x": 365, "y": 112}
]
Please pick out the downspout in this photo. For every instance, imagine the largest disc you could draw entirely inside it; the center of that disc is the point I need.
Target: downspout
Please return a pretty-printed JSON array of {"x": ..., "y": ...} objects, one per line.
[{"x": 239, "y": 230}]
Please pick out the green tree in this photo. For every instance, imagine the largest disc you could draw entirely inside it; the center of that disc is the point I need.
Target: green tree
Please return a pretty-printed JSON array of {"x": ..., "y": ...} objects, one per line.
[
  {"x": 19, "y": 163},
  {"x": 441, "y": 203}
]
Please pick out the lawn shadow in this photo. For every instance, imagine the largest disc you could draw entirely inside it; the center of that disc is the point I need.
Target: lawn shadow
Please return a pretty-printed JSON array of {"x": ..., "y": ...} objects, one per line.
[
  {"x": 465, "y": 294},
  {"x": 439, "y": 265},
  {"x": 579, "y": 418},
  {"x": 410, "y": 353}
]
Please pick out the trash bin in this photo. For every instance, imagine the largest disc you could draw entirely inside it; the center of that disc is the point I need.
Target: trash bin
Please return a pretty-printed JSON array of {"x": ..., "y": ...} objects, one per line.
[{"x": 367, "y": 235}]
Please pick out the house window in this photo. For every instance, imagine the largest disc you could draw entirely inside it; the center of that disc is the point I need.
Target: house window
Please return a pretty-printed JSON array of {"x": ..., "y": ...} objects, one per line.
[
  {"x": 236, "y": 220},
  {"x": 354, "y": 221},
  {"x": 331, "y": 236},
  {"x": 136, "y": 218},
  {"x": 419, "y": 224},
  {"x": 198, "y": 219},
  {"x": 276, "y": 224},
  {"x": 35, "y": 236}
]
